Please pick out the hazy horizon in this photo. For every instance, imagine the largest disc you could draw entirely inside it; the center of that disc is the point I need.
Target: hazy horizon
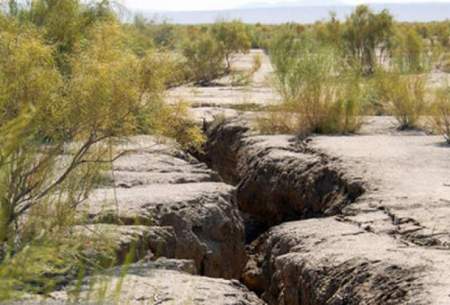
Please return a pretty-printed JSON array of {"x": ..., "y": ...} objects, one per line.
[
  {"x": 305, "y": 11},
  {"x": 207, "y": 5}
]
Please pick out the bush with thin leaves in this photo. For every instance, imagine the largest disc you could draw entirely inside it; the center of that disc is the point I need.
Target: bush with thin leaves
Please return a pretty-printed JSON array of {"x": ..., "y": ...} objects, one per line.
[
  {"x": 440, "y": 113},
  {"x": 205, "y": 59},
  {"x": 410, "y": 54},
  {"x": 403, "y": 96},
  {"x": 367, "y": 37},
  {"x": 233, "y": 38},
  {"x": 57, "y": 128},
  {"x": 317, "y": 85}
]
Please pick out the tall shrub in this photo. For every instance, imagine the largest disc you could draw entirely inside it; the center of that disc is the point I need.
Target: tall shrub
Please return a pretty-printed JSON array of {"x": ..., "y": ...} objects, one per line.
[{"x": 316, "y": 84}]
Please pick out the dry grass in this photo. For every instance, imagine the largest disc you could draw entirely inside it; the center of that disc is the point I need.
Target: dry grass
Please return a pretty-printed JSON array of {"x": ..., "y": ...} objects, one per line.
[
  {"x": 440, "y": 114},
  {"x": 403, "y": 97},
  {"x": 277, "y": 121},
  {"x": 319, "y": 88}
]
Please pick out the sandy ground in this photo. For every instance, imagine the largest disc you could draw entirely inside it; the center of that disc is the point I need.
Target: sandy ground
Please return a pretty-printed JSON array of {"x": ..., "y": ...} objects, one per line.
[
  {"x": 406, "y": 174},
  {"x": 225, "y": 99}
]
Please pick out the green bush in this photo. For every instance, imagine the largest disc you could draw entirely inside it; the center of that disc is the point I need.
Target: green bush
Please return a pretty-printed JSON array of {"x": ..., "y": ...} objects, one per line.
[
  {"x": 233, "y": 38},
  {"x": 445, "y": 63},
  {"x": 56, "y": 129},
  {"x": 440, "y": 113},
  {"x": 403, "y": 96},
  {"x": 365, "y": 34},
  {"x": 205, "y": 59},
  {"x": 410, "y": 52},
  {"x": 316, "y": 84}
]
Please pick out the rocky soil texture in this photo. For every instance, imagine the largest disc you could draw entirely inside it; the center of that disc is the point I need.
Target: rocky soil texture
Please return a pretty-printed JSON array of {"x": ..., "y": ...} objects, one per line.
[
  {"x": 162, "y": 282},
  {"x": 170, "y": 195},
  {"x": 358, "y": 219},
  {"x": 272, "y": 220}
]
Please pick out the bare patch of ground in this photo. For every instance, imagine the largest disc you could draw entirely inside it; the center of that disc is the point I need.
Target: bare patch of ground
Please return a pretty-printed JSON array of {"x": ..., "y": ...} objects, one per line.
[{"x": 224, "y": 98}]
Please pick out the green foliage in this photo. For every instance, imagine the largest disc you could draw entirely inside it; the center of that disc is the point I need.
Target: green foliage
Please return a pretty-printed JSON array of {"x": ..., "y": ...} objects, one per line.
[
  {"x": 441, "y": 31},
  {"x": 444, "y": 64},
  {"x": 261, "y": 35},
  {"x": 330, "y": 32},
  {"x": 232, "y": 37},
  {"x": 144, "y": 34},
  {"x": 171, "y": 121},
  {"x": 317, "y": 85},
  {"x": 277, "y": 121},
  {"x": 403, "y": 96},
  {"x": 209, "y": 54},
  {"x": 64, "y": 23},
  {"x": 440, "y": 113},
  {"x": 410, "y": 53},
  {"x": 367, "y": 33},
  {"x": 182, "y": 128},
  {"x": 205, "y": 59},
  {"x": 57, "y": 122}
]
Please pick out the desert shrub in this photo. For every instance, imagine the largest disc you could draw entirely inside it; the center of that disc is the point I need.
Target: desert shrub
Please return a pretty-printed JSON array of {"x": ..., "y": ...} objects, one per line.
[
  {"x": 64, "y": 23},
  {"x": 171, "y": 121},
  {"x": 410, "y": 53},
  {"x": 277, "y": 121},
  {"x": 138, "y": 35},
  {"x": 440, "y": 113},
  {"x": 205, "y": 58},
  {"x": 329, "y": 32},
  {"x": 56, "y": 133},
  {"x": 144, "y": 34},
  {"x": 403, "y": 96},
  {"x": 257, "y": 62},
  {"x": 441, "y": 32},
  {"x": 444, "y": 63},
  {"x": 365, "y": 34},
  {"x": 182, "y": 128},
  {"x": 315, "y": 83},
  {"x": 233, "y": 38}
]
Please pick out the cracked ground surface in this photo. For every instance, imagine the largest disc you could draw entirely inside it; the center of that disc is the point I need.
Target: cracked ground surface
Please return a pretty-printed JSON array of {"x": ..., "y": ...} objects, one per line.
[
  {"x": 407, "y": 177},
  {"x": 407, "y": 199}
]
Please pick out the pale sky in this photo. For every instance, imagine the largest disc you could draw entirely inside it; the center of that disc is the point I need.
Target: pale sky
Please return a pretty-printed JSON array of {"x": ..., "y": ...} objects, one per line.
[{"x": 183, "y": 5}]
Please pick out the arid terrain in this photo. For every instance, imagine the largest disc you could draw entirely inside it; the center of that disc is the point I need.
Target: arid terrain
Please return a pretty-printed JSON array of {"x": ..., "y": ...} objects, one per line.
[
  {"x": 360, "y": 219},
  {"x": 145, "y": 161}
]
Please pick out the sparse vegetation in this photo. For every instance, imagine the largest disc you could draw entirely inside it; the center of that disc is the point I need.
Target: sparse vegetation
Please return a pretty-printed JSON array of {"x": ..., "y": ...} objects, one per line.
[
  {"x": 205, "y": 59},
  {"x": 367, "y": 37},
  {"x": 74, "y": 79},
  {"x": 209, "y": 55},
  {"x": 233, "y": 38},
  {"x": 441, "y": 112},
  {"x": 69, "y": 85},
  {"x": 404, "y": 96},
  {"x": 317, "y": 85},
  {"x": 409, "y": 54}
]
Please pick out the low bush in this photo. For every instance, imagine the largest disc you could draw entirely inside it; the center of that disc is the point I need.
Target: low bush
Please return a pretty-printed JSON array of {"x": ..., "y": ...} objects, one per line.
[
  {"x": 233, "y": 38},
  {"x": 277, "y": 121},
  {"x": 172, "y": 121},
  {"x": 403, "y": 96},
  {"x": 445, "y": 63},
  {"x": 205, "y": 59},
  {"x": 316, "y": 84},
  {"x": 57, "y": 124},
  {"x": 410, "y": 53},
  {"x": 440, "y": 113}
]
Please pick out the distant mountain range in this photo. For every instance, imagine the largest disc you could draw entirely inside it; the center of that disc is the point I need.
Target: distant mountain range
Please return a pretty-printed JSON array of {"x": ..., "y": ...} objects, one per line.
[{"x": 307, "y": 11}]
